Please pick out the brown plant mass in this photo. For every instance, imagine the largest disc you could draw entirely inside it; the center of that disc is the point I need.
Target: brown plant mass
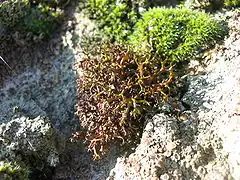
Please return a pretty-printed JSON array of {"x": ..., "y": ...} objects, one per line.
[{"x": 116, "y": 89}]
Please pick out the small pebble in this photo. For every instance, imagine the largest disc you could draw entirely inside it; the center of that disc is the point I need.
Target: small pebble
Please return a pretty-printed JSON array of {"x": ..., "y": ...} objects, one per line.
[{"x": 164, "y": 177}]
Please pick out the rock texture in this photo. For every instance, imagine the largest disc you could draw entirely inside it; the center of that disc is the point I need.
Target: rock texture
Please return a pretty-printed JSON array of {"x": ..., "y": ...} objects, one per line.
[
  {"x": 29, "y": 141},
  {"x": 207, "y": 5},
  {"x": 37, "y": 91}
]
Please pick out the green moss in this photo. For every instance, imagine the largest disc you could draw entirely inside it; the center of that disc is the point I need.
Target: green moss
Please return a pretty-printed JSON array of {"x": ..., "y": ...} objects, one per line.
[
  {"x": 42, "y": 20},
  {"x": 12, "y": 12},
  {"x": 232, "y": 3},
  {"x": 176, "y": 34},
  {"x": 114, "y": 19},
  {"x": 12, "y": 171},
  {"x": 119, "y": 23},
  {"x": 98, "y": 9},
  {"x": 26, "y": 17}
]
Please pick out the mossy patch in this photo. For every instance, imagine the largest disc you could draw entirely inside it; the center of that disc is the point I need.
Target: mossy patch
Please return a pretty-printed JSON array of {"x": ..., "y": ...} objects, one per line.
[
  {"x": 176, "y": 34},
  {"x": 12, "y": 171},
  {"x": 232, "y": 3},
  {"x": 13, "y": 11},
  {"x": 42, "y": 20},
  {"x": 115, "y": 19},
  {"x": 25, "y": 16}
]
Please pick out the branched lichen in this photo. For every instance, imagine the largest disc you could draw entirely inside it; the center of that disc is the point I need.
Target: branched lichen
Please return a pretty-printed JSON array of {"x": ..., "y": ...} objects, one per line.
[{"x": 116, "y": 89}]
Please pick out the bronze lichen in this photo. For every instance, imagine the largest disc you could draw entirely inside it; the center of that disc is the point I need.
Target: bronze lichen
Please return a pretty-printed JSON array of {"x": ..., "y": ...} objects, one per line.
[{"x": 117, "y": 87}]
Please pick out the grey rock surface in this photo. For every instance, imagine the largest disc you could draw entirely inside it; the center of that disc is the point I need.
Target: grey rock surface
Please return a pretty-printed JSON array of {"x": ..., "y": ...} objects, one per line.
[
  {"x": 23, "y": 138},
  {"x": 47, "y": 89},
  {"x": 207, "y": 5}
]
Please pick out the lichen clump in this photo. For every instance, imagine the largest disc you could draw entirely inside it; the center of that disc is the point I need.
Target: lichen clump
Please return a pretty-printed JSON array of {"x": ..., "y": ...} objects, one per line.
[{"x": 116, "y": 89}]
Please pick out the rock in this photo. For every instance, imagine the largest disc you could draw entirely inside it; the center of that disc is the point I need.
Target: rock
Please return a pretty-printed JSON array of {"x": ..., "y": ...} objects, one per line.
[
  {"x": 159, "y": 139},
  {"x": 45, "y": 90},
  {"x": 207, "y": 5},
  {"x": 29, "y": 141},
  {"x": 196, "y": 4},
  {"x": 202, "y": 143}
]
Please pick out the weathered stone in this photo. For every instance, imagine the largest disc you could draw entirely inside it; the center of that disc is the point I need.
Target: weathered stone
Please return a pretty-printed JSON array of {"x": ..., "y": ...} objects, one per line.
[{"x": 29, "y": 141}]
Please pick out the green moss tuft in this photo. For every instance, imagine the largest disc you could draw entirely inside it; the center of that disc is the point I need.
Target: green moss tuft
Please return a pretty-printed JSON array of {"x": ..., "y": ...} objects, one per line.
[
  {"x": 119, "y": 23},
  {"x": 12, "y": 12},
  {"x": 232, "y": 3},
  {"x": 26, "y": 16},
  {"x": 114, "y": 19},
  {"x": 176, "y": 34},
  {"x": 12, "y": 171},
  {"x": 42, "y": 20}
]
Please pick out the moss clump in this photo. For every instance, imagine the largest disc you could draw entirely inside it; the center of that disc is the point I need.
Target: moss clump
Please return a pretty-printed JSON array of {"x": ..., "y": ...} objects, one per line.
[
  {"x": 119, "y": 23},
  {"x": 114, "y": 19},
  {"x": 98, "y": 9},
  {"x": 42, "y": 20},
  {"x": 28, "y": 16},
  {"x": 12, "y": 171},
  {"x": 232, "y": 3},
  {"x": 13, "y": 11},
  {"x": 176, "y": 34},
  {"x": 116, "y": 89}
]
